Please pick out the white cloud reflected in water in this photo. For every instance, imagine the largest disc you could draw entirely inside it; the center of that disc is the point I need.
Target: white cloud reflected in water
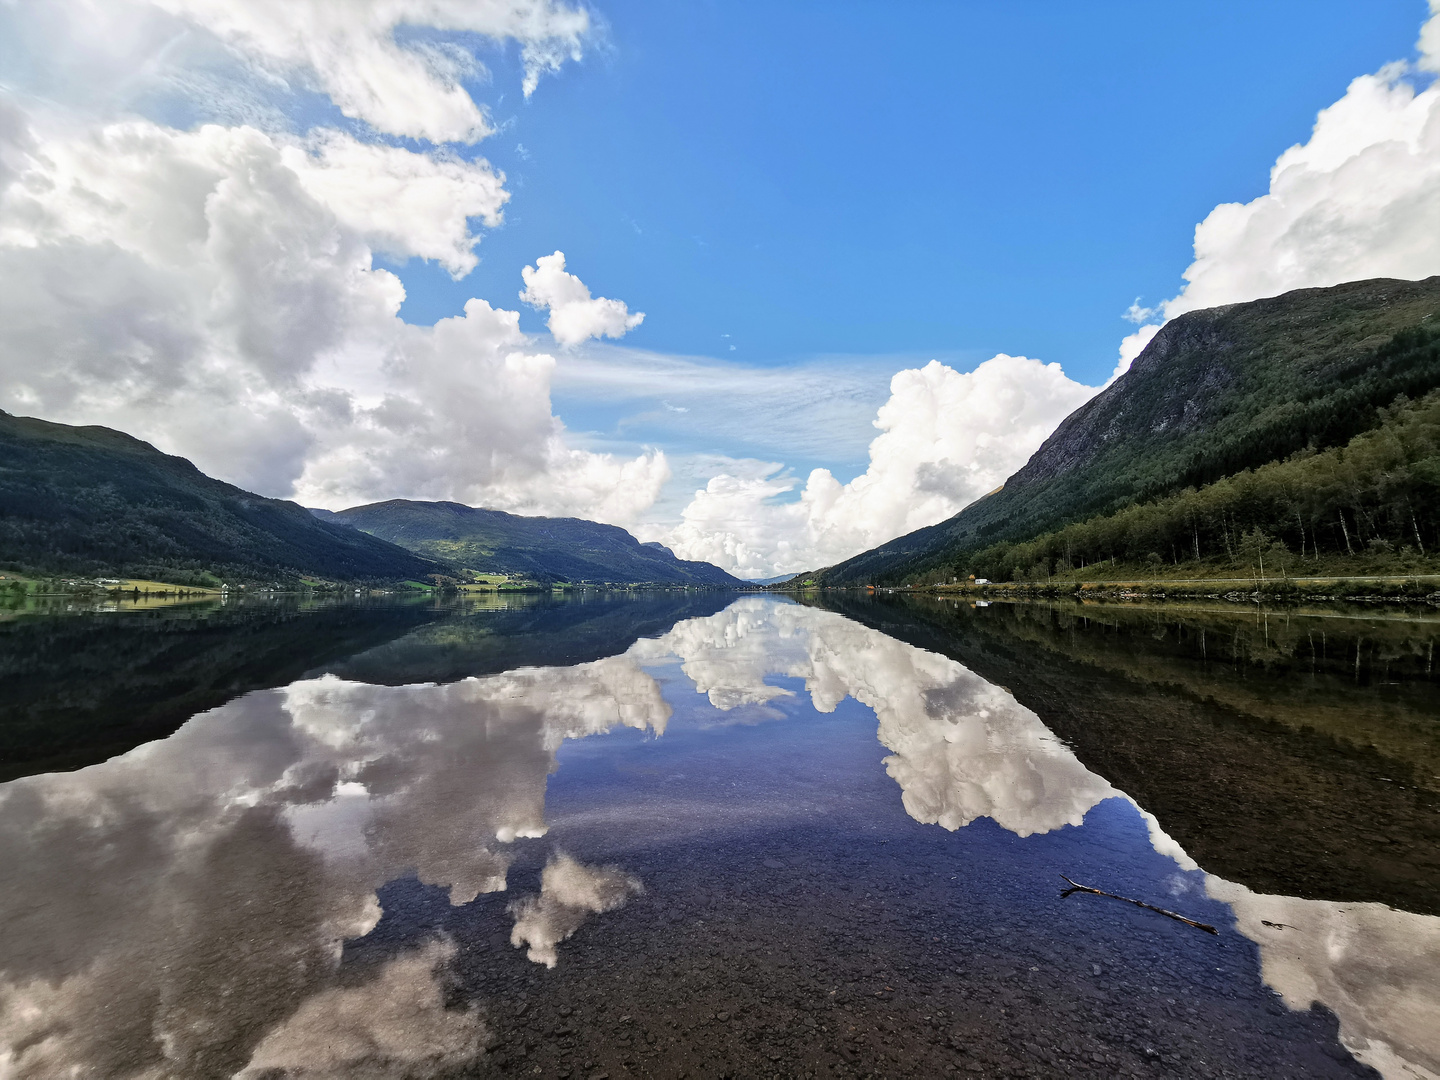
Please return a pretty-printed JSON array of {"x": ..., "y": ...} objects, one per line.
[
  {"x": 964, "y": 748},
  {"x": 961, "y": 748},
  {"x": 180, "y": 910},
  {"x": 570, "y": 892},
  {"x": 1375, "y": 968},
  {"x": 395, "y": 1025}
]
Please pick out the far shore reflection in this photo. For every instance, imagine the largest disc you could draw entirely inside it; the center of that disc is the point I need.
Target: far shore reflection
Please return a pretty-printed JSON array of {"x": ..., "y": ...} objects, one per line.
[{"x": 182, "y": 909}]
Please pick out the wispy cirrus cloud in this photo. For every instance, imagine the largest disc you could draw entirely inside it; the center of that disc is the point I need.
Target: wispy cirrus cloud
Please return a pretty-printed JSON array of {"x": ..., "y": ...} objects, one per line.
[{"x": 818, "y": 408}]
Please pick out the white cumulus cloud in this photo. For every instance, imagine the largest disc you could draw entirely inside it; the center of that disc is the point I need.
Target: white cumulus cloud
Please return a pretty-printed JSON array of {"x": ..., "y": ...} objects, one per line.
[
  {"x": 350, "y": 50},
  {"x": 1429, "y": 43},
  {"x": 401, "y": 203},
  {"x": 1132, "y": 345},
  {"x": 211, "y": 287},
  {"x": 403, "y": 67},
  {"x": 1359, "y": 199},
  {"x": 575, "y": 315},
  {"x": 946, "y": 439},
  {"x": 213, "y": 291}
]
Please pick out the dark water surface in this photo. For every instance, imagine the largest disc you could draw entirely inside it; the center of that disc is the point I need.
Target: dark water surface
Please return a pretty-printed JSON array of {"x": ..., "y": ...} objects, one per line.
[{"x": 701, "y": 835}]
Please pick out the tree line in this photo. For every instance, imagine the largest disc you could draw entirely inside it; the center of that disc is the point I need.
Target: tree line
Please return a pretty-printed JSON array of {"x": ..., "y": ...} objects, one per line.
[{"x": 1377, "y": 495}]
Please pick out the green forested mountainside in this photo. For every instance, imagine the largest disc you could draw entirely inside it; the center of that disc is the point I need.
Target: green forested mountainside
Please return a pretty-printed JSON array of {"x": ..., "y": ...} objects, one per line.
[
  {"x": 1215, "y": 392},
  {"x": 95, "y": 501},
  {"x": 549, "y": 549},
  {"x": 1379, "y": 495}
]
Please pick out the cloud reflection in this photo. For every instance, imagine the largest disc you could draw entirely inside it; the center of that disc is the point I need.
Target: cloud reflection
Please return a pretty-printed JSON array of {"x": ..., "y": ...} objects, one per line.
[
  {"x": 569, "y": 893},
  {"x": 395, "y": 1025},
  {"x": 1376, "y": 968},
  {"x": 180, "y": 910},
  {"x": 964, "y": 748},
  {"x": 961, "y": 747}
]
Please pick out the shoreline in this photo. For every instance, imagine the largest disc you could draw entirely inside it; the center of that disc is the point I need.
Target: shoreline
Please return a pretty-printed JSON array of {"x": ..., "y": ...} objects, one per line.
[{"x": 1408, "y": 589}]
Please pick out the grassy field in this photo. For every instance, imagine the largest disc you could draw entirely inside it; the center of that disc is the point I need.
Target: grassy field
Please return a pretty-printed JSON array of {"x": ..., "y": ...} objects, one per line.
[
  {"x": 498, "y": 582},
  {"x": 66, "y": 585},
  {"x": 163, "y": 588},
  {"x": 481, "y": 583},
  {"x": 22, "y": 595}
]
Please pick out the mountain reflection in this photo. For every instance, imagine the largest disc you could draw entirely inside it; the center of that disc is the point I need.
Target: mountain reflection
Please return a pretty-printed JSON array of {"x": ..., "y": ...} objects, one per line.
[{"x": 181, "y": 910}]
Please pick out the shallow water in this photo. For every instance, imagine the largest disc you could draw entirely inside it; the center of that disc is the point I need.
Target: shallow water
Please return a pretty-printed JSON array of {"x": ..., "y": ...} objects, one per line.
[{"x": 704, "y": 835}]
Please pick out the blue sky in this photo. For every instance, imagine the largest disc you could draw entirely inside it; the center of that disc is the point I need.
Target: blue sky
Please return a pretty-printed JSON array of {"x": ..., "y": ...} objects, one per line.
[
  {"x": 204, "y": 204},
  {"x": 926, "y": 179}
]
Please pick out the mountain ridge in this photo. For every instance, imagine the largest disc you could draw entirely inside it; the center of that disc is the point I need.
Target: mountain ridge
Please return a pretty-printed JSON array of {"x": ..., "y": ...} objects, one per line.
[
  {"x": 94, "y": 500},
  {"x": 545, "y": 548},
  {"x": 1216, "y": 391}
]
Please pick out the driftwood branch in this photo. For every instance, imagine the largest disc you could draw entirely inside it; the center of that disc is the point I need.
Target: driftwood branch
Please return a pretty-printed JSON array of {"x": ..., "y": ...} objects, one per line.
[{"x": 1075, "y": 886}]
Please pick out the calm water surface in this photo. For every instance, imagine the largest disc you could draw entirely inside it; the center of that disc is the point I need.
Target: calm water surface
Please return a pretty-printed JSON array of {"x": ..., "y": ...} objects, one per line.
[{"x": 701, "y": 835}]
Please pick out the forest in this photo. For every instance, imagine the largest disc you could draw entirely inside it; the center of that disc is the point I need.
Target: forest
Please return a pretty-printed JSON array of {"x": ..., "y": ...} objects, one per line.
[
  {"x": 1216, "y": 392},
  {"x": 1376, "y": 498}
]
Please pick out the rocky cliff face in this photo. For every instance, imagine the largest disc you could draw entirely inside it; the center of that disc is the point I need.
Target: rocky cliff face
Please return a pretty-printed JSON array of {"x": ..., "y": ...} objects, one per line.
[
  {"x": 1215, "y": 391},
  {"x": 1185, "y": 380},
  {"x": 1167, "y": 405}
]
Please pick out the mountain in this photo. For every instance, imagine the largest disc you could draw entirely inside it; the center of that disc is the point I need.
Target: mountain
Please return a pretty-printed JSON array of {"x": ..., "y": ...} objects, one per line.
[
  {"x": 1215, "y": 392},
  {"x": 95, "y": 501},
  {"x": 549, "y": 549}
]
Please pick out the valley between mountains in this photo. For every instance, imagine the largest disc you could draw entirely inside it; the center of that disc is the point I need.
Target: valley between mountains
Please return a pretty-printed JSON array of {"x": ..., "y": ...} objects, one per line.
[{"x": 1299, "y": 433}]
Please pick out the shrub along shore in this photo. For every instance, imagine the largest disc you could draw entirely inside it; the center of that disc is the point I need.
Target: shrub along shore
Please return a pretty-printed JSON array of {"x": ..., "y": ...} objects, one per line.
[{"x": 1381, "y": 588}]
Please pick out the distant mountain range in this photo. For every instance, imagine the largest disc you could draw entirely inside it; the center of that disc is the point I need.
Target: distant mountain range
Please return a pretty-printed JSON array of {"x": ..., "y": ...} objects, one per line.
[
  {"x": 92, "y": 501},
  {"x": 543, "y": 548},
  {"x": 1308, "y": 421},
  {"x": 95, "y": 501},
  {"x": 1215, "y": 393}
]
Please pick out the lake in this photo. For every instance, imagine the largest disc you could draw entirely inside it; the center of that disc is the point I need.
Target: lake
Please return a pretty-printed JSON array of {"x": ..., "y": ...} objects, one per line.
[{"x": 705, "y": 835}]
